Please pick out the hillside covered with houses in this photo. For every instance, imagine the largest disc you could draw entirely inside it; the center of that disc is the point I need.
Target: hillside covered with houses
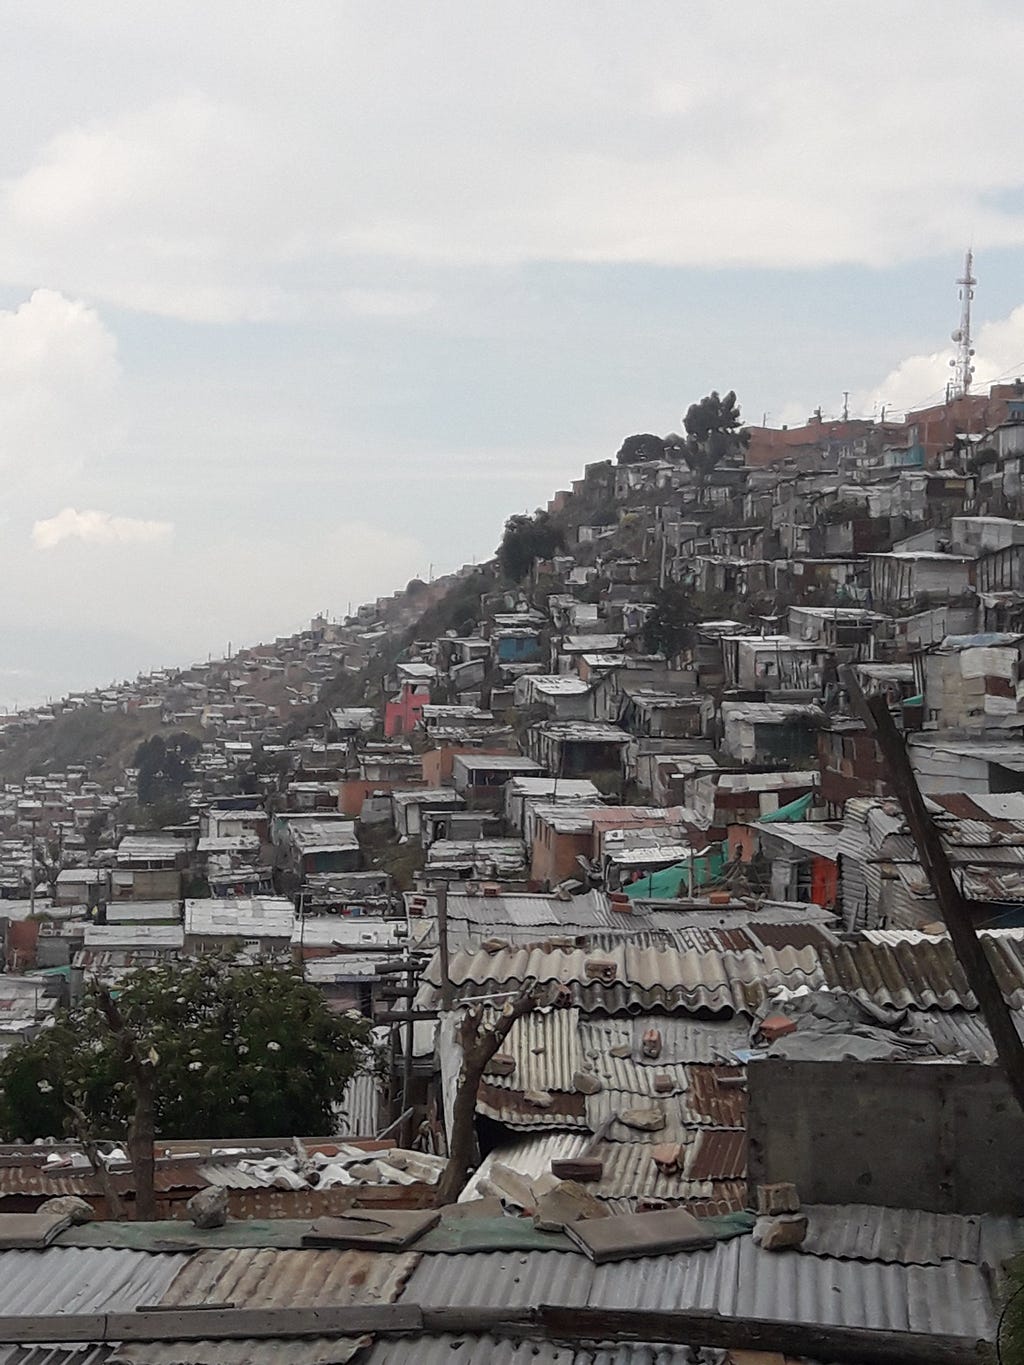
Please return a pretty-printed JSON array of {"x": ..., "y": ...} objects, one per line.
[{"x": 596, "y": 838}]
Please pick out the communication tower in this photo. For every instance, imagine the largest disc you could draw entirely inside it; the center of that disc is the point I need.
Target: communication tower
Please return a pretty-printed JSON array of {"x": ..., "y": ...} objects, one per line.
[{"x": 962, "y": 363}]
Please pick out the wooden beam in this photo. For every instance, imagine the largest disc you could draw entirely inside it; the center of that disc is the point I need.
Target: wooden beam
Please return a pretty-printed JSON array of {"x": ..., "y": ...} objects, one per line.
[
  {"x": 954, "y": 909},
  {"x": 844, "y": 1345},
  {"x": 555, "y": 1323},
  {"x": 224, "y": 1324}
]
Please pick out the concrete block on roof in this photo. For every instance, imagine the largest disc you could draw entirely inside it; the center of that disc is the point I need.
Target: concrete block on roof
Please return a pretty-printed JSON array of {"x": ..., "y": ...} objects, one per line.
[
  {"x": 586, "y": 1083},
  {"x": 568, "y": 1202},
  {"x": 781, "y": 1232},
  {"x": 778, "y": 1198},
  {"x": 650, "y": 1119},
  {"x": 639, "y": 1234},
  {"x": 31, "y": 1231}
]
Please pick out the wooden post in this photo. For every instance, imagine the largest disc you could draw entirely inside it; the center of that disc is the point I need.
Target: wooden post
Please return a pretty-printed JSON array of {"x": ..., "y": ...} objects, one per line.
[
  {"x": 966, "y": 944},
  {"x": 447, "y": 994}
]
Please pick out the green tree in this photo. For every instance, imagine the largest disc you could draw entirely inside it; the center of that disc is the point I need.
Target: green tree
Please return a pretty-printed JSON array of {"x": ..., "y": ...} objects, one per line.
[
  {"x": 641, "y": 447},
  {"x": 164, "y": 766},
  {"x": 528, "y": 538},
  {"x": 226, "y": 1051},
  {"x": 668, "y": 627},
  {"x": 713, "y": 431}
]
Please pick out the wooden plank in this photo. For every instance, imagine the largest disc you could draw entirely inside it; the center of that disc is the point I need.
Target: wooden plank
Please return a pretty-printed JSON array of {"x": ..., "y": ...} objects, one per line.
[{"x": 224, "y": 1324}]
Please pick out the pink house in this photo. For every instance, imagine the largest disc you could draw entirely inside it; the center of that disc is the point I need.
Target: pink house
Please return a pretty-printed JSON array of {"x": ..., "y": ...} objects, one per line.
[{"x": 402, "y": 714}]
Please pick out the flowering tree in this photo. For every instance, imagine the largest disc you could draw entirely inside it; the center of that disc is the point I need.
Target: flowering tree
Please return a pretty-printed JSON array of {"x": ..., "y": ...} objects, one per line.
[{"x": 203, "y": 1049}]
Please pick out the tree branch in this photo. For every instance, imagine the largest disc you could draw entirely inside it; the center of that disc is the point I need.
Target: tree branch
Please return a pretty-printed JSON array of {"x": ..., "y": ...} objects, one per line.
[
  {"x": 479, "y": 1044},
  {"x": 141, "y": 1130}
]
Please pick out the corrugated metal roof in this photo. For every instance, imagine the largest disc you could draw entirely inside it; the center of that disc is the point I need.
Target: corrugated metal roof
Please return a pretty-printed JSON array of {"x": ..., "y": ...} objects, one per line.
[
  {"x": 904, "y": 1236},
  {"x": 711, "y": 1099},
  {"x": 629, "y": 1171},
  {"x": 269, "y": 1277},
  {"x": 510, "y": 1107},
  {"x": 245, "y": 1351},
  {"x": 735, "y": 1278},
  {"x": 73, "y": 1354},
  {"x": 607, "y": 1106},
  {"x": 546, "y": 1049},
  {"x": 514, "y": 1279},
  {"x": 719, "y": 1154},
  {"x": 466, "y": 1350},
  {"x": 274, "y": 1278},
  {"x": 82, "y": 1280}
]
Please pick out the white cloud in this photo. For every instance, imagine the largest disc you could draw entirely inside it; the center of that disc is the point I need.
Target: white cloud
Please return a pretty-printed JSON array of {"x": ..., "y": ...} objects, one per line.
[
  {"x": 97, "y": 528},
  {"x": 234, "y": 181},
  {"x": 920, "y": 380},
  {"x": 58, "y": 377}
]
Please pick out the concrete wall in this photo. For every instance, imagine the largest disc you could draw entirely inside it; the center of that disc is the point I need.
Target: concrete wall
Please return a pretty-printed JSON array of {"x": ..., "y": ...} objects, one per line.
[{"x": 944, "y": 1137}]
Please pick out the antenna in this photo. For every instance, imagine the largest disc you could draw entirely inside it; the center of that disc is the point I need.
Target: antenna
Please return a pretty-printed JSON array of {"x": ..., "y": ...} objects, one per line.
[
  {"x": 846, "y": 405},
  {"x": 962, "y": 363}
]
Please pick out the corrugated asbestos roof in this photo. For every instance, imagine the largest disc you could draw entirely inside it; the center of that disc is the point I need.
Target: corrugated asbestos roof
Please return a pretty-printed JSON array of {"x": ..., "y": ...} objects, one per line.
[
  {"x": 924, "y": 975},
  {"x": 711, "y": 980}
]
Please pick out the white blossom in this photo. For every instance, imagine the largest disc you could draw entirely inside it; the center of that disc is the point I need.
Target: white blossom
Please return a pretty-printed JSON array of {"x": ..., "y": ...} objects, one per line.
[
  {"x": 273, "y": 1047},
  {"x": 195, "y": 1066},
  {"x": 45, "y": 1087}
]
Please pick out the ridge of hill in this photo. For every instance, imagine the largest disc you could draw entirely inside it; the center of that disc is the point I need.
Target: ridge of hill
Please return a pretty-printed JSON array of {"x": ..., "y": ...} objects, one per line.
[{"x": 295, "y": 681}]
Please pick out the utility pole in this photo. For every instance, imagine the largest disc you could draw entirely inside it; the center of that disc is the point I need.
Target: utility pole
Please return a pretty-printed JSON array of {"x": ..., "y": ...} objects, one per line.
[
  {"x": 32, "y": 888},
  {"x": 962, "y": 363},
  {"x": 969, "y": 948},
  {"x": 442, "y": 943}
]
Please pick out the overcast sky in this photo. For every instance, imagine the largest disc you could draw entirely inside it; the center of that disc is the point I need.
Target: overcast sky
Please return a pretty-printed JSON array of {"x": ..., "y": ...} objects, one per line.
[{"x": 299, "y": 300}]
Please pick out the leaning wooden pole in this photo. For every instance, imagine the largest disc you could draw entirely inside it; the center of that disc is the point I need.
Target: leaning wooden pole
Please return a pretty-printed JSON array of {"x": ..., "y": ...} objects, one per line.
[{"x": 954, "y": 909}]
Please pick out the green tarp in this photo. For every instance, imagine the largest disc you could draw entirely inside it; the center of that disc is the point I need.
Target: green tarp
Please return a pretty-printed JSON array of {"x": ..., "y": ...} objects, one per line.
[
  {"x": 796, "y": 810},
  {"x": 674, "y": 881}
]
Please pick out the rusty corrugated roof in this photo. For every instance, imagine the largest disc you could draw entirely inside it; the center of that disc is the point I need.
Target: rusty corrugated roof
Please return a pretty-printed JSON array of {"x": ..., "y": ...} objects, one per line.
[{"x": 719, "y": 1154}]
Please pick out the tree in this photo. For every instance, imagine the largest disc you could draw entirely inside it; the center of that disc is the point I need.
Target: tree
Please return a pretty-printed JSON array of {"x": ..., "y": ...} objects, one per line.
[
  {"x": 479, "y": 1041},
  {"x": 528, "y": 538},
  {"x": 713, "y": 431},
  {"x": 204, "y": 1049},
  {"x": 642, "y": 447},
  {"x": 667, "y": 628},
  {"x": 164, "y": 766}
]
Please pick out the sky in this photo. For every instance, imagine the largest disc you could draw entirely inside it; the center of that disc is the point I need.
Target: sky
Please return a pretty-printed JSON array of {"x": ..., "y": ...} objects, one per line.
[{"x": 299, "y": 301}]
